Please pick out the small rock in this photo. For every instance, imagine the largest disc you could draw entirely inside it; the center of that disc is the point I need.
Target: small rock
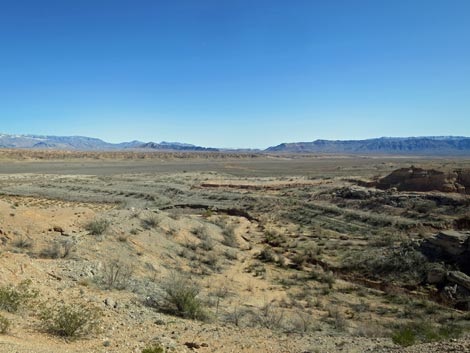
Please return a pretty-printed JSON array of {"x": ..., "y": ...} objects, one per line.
[{"x": 110, "y": 302}]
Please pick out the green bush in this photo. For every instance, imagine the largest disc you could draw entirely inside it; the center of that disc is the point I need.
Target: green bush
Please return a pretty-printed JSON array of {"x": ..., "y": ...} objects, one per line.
[
  {"x": 154, "y": 349},
  {"x": 181, "y": 298},
  {"x": 4, "y": 324},
  {"x": 12, "y": 298},
  {"x": 97, "y": 226},
  {"x": 70, "y": 320},
  {"x": 404, "y": 337},
  {"x": 422, "y": 332}
]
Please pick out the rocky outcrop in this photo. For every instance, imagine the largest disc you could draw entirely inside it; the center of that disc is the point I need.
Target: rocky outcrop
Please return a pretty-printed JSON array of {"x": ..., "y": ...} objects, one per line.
[
  {"x": 450, "y": 250},
  {"x": 418, "y": 179},
  {"x": 358, "y": 193},
  {"x": 450, "y": 247}
]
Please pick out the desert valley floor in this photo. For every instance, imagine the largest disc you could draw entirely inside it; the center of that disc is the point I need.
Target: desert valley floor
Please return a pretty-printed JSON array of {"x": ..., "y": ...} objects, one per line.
[{"x": 213, "y": 252}]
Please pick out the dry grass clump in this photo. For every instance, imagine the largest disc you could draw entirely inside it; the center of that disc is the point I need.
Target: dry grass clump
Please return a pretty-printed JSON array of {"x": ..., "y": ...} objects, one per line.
[
  {"x": 23, "y": 243},
  {"x": 97, "y": 226},
  {"x": 57, "y": 250},
  {"x": 116, "y": 274},
  {"x": 230, "y": 239},
  {"x": 150, "y": 222}
]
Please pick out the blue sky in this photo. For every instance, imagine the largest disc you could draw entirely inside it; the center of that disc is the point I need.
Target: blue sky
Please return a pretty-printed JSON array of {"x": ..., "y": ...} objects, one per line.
[{"x": 235, "y": 73}]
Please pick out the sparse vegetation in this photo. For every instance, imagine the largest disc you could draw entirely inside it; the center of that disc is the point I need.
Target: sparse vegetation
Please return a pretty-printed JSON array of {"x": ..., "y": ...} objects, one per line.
[
  {"x": 181, "y": 298},
  {"x": 97, "y": 226},
  {"x": 156, "y": 348},
  {"x": 230, "y": 238},
  {"x": 23, "y": 243},
  {"x": 70, "y": 320},
  {"x": 150, "y": 222},
  {"x": 57, "y": 250},
  {"x": 422, "y": 332},
  {"x": 14, "y": 298},
  {"x": 116, "y": 274},
  {"x": 323, "y": 252},
  {"x": 4, "y": 324}
]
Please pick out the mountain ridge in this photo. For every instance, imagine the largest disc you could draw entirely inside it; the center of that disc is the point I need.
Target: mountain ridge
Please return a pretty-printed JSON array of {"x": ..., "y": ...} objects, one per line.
[
  {"x": 421, "y": 145},
  {"x": 84, "y": 143},
  {"x": 425, "y": 145}
]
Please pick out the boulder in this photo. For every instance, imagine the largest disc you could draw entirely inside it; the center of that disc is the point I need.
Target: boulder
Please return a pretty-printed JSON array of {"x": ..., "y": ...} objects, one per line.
[
  {"x": 459, "y": 278},
  {"x": 450, "y": 247},
  {"x": 450, "y": 242}
]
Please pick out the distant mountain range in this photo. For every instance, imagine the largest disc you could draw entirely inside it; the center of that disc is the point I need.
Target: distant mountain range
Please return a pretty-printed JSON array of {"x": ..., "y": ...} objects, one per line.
[
  {"x": 430, "y": 145},
  {"x": 82, "y": 143}
]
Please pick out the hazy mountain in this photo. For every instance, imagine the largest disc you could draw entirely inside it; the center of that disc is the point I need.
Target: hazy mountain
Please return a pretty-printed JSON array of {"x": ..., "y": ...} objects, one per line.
[
  {"x": 432, "y": 145},
  {"x": 175, "y": 146},
  {"x": 88, "y": 143}
]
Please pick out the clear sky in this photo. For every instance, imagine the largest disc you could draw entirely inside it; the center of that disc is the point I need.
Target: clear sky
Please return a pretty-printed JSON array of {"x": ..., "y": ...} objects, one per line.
[{"x": 235, "y": 73}]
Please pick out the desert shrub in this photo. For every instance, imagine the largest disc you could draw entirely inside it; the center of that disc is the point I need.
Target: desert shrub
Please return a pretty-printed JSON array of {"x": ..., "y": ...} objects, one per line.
[
  {"x": 403, "y": 263},
  {"x": 302, "y": 322},
  {"x": 57, "y": 250},
  {"x": 207, "y": 213},
  {"x": 231, "y": 254},
  {"x": 13, "y": 298},
  {"x": 181, "y": 298},
  {"x": 97, "y": 226},
  {"x": 339, "y": 321},
  {"x": 51, "y": 252},
  {"x": 230, "y": 239},
  {"x": 307, "y": 255},
  {"x": 298, "y": 261},
  {"x": 200, "y": 232},
  {"x": 116, "y": 274},
  {"x": 4, "y": 324},
  {"x": 236, "y": 316},
  {"x": 404, "y": 337},
  {"x": 270, "y": 316},
  {"x": 207, "y": 244},
  {"x": 154, "y": 349},
  {"x": 422, "y": 332},
  {"x": 150, "y": 222},
  {"x": 424, "y": 206},
  {"x": 326, "y": 277},
  {"x": 23, "y": 243},
  {"x": 274, "y": 239},
  {"x": 212, "y": 261},
  {"x": 267, "y": 255},
  {"x": 70, "y": 320}
]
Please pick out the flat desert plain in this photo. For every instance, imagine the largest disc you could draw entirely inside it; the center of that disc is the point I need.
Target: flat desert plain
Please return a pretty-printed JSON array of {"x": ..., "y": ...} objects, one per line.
[{"x": 225, "y": 252}]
